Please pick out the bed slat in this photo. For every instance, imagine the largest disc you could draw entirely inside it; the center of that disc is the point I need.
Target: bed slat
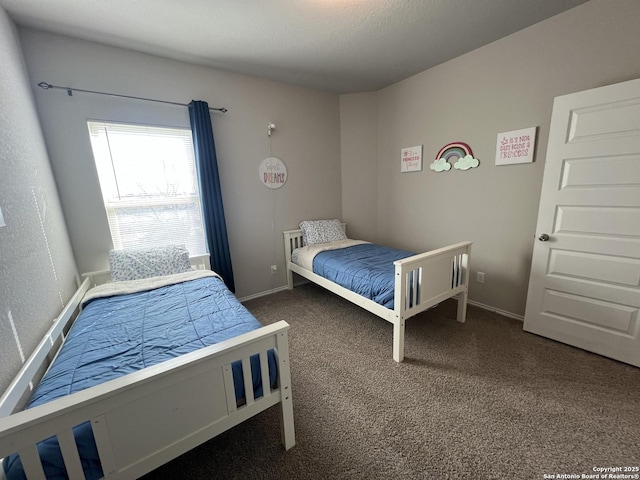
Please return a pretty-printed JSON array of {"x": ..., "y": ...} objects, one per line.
[
  {"x": 70, "y": 453},
  {"x": 31, "y": 463},
  {"x": 228, "y": 388},
  {"x": 248, "y": 382},
  {"x": 457, "y": 271},
  {"x": 264, "y": 374},
  {"x": 463, "y": 268},
  {"x": 103, "y": 442},
  {"x": 412, "y": 288},
  {"x": 405, "y": 292}
]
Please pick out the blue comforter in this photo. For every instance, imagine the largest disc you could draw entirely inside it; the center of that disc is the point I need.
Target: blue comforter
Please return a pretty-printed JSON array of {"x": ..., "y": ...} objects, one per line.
[
  {"x": 118, "y": 335},
  {"x": 365, "y": 269}
]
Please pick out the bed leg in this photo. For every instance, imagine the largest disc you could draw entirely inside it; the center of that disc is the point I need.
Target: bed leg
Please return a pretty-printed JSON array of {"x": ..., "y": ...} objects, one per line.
[
  {"x": 287, "y": 428},
  {"x": 289, "y": 279},
  {"x": 398, "y": 340},
  {"x": 462, "y": 306},
  {"x": 286, "y": 422}
]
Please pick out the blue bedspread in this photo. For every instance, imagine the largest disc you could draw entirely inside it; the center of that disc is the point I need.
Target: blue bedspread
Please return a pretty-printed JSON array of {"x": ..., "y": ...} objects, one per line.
[
  {"x": 118, "y": 335},
  {"x": 365, "y": 269}
]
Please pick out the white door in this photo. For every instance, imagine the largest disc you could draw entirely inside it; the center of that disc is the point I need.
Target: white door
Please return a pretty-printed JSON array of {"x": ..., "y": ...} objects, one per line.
[{"x": 584, "y": 288}]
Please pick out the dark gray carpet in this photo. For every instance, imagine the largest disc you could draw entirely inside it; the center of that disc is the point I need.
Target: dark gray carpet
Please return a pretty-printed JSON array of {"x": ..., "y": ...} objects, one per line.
[{"x": 479, "y": 400}]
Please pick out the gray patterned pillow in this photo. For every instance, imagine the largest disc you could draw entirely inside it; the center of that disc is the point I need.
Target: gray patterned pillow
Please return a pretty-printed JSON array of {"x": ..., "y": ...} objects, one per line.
[
  {"x": 133, "y": 264},
  {"x": 321, "y": 231}
]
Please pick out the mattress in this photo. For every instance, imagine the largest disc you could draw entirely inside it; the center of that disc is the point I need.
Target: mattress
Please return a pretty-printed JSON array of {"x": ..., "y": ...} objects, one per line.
[
  {"x": 365, "y": 268},
  {"x": 119, "y": 334}
]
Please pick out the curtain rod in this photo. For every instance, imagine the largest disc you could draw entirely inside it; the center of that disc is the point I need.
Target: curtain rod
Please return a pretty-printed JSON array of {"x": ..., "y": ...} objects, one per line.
[{"x": 47, "y": 86}]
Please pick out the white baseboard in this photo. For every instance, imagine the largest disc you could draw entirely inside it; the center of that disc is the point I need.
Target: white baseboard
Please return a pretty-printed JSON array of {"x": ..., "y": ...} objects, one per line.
[
  {"x": 262, "y": 294},
  {"x": 504, "y": 313},
  {"x": 496, "y": 310}
]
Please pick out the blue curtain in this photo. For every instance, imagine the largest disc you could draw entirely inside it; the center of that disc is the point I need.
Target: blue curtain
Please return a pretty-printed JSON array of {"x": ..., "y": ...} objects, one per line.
[{"x": 210, "y": 193}]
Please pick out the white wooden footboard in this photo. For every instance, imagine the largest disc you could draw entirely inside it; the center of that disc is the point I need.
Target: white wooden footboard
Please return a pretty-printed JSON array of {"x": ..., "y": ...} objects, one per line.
[
  {"x": 144, "y": 419},
  {"x": 426, "y": 279},
  {"x": 421, "y": 281}
]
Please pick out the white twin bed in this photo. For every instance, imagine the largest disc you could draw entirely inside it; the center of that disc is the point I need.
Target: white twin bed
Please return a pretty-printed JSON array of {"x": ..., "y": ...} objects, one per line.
[
  {"x": 414, "y": 282},
  {"x": 144, "y": 417}
]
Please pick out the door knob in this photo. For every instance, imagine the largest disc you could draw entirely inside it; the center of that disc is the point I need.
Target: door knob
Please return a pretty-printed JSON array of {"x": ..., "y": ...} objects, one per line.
[{"x": 544, "y": 237}]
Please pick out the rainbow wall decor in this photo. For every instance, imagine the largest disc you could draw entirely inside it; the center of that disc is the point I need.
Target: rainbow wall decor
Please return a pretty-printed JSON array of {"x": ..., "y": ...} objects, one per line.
[
  {"x": 459, "y": 150},
  {"x": 455, "y": 149}
]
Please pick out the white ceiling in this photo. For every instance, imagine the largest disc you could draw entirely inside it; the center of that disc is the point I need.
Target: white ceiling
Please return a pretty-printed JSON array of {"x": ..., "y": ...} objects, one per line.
[{"x": 340, "y": 46}]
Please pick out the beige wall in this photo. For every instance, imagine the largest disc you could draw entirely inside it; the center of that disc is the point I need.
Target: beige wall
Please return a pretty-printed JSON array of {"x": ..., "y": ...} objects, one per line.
[
  {"x": 37, "y": 269},
  {"x": 342, "y": 152},
  {"x": 306, "y": 140},
  {"x": 507, "y": 85},
  {"x": 359, "y": 151}
]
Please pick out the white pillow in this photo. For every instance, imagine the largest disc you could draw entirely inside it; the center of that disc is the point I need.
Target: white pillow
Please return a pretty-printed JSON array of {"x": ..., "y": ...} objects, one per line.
[
  {"x": 133, "y": 264},
  {"x": 321, "y": 231}
]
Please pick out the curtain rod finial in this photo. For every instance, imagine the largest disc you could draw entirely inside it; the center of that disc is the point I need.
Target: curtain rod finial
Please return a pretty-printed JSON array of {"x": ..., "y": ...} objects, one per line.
[{"x": 45, "y": 85}]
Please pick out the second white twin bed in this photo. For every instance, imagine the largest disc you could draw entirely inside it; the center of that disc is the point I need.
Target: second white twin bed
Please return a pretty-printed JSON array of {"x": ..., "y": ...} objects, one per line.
[{"x": 393, "y": 284}]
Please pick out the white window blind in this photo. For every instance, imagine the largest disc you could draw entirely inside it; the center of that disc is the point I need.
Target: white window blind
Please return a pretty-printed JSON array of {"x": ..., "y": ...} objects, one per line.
[{"x": 149, "y": 185}]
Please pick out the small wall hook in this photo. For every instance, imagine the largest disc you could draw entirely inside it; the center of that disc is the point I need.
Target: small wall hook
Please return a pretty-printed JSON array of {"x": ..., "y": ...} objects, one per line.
[{"x": 270, "y": 128}]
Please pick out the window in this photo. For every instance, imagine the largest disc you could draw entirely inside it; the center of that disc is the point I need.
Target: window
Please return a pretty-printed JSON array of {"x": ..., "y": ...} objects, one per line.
[{"x": 149, "y": 185}]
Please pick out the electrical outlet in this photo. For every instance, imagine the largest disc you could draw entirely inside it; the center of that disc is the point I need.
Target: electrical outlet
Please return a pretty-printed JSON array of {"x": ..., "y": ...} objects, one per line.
[
  {"x": 480, "y": 277},
  {"x": 274, "y": 269}
]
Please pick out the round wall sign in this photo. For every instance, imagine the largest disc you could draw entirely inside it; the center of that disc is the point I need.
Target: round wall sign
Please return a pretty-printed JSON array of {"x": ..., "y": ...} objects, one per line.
[{"x": 273, "y": 173}]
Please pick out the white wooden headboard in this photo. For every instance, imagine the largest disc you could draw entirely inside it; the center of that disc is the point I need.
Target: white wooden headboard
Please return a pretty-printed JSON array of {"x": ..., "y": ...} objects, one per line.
[
  {"x": 198, "y": 262},
  {"x": 293, "y": 240}
]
